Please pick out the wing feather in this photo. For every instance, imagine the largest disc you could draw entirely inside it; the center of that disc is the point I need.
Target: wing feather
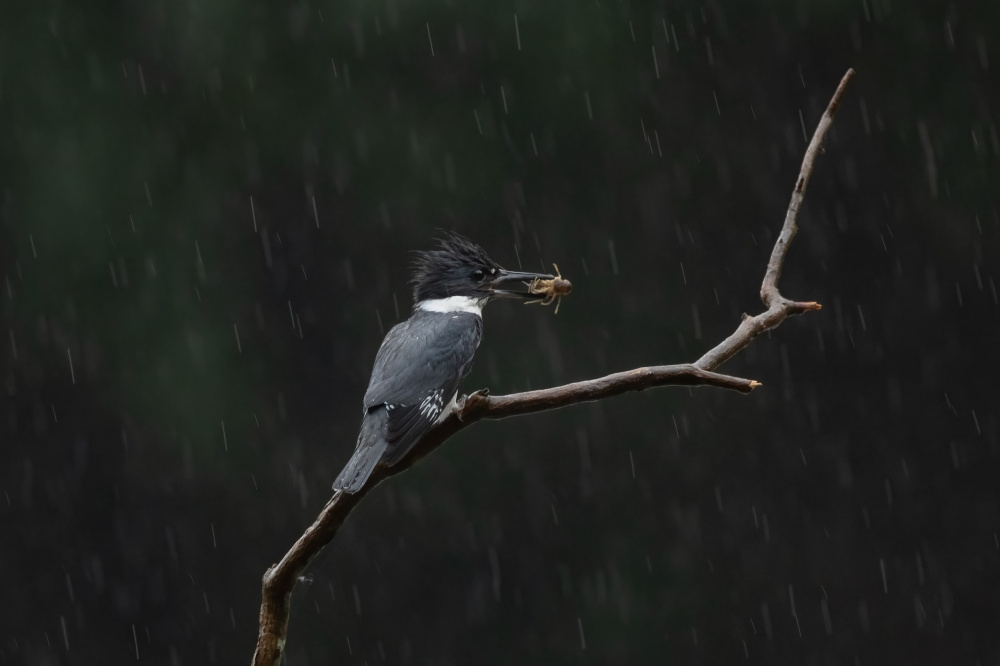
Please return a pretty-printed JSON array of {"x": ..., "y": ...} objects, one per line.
[{"x": 417, "y": 372}]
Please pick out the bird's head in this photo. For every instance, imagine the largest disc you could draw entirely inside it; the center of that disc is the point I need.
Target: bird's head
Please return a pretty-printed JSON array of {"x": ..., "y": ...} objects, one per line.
[{"x": 462, "y": 272}]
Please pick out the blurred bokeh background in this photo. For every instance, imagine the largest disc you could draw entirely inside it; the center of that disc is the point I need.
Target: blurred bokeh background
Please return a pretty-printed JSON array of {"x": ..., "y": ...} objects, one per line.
[{"x": 207, "y": 216}]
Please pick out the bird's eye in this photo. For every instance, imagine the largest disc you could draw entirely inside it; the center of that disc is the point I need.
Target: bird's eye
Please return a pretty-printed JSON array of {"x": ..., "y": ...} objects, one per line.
[{"x": 478, "y": 274}]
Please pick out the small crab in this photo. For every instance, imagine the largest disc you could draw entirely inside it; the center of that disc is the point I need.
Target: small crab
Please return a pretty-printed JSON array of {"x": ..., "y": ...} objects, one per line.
[{"x": 550, "y": 290}]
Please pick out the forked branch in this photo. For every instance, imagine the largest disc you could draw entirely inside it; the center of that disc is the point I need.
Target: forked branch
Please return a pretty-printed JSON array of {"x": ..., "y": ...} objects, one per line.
[{"x": 280, "y": 578}]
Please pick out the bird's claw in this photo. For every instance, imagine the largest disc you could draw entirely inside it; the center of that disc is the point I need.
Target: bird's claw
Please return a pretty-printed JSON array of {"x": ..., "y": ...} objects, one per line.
[{"x": 464, "y": 401}]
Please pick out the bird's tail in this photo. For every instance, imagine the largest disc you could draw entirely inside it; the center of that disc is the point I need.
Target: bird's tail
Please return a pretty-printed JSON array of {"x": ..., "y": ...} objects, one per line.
[{"x": 371, "y": 446}]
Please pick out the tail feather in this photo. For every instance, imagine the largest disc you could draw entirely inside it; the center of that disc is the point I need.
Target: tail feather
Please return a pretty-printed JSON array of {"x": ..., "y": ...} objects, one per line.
[{"x": 367, "y": 454}]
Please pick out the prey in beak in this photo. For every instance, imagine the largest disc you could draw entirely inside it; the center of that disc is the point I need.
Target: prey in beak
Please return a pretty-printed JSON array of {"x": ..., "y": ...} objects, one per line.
[
  {"x": 515, "y": 284},
  {"x": 544, "y": 289}
]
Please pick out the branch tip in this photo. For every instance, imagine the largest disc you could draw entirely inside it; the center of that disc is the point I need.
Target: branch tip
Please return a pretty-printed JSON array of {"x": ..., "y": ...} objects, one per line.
[
  {"x": 799, "y": 306},
  {"x": 754, "y": 384}
]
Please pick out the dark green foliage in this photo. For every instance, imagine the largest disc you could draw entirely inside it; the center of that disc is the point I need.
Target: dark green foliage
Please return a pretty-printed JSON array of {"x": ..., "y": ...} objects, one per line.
[{"x": 156, "y": 489}]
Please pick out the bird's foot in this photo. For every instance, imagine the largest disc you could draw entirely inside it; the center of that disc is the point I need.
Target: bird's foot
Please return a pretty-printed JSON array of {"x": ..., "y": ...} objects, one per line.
[{"x": 475, "y": 395}]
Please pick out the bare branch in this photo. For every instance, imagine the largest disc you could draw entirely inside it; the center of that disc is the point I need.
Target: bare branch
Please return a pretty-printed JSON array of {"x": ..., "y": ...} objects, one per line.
[
  {"x": 778, "y": 307},
  {"x": 769, "y": 290},
  {"x": 478, "y": 406},
  {"x": 281, "y": 577}
]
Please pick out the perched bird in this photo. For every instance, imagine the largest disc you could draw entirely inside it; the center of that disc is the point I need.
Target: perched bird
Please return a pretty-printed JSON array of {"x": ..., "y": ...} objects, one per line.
[{"x": 422, "y": 360}]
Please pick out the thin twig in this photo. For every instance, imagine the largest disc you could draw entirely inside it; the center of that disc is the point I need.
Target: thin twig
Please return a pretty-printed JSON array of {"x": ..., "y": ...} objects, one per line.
[
  {"x": 280, "y": 578},
  {"x": 778, "y": 307},
  {"x": 769, "y": 289}
]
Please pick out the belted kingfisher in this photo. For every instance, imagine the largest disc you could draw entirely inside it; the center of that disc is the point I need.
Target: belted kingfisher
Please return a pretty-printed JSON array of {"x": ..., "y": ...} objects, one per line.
[{"x": 422, "y": 360}]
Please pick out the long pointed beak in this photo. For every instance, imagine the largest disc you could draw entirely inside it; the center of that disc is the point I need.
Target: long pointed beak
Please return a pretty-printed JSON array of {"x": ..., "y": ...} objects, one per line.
[{"x": 514, "y": 284}]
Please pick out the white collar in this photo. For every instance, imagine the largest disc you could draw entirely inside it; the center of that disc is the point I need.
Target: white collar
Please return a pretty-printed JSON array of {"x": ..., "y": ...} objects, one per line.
[{"x": 453, "y": 304}]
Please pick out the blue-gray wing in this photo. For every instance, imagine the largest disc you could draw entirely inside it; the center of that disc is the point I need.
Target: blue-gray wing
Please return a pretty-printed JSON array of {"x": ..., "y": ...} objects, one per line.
[{"x": 417, "y": 371}]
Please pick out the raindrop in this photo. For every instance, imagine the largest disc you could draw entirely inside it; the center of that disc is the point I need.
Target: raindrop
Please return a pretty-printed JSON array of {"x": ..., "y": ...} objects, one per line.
[
  {"x": 766, "y": 614},
  {"x": 795, "y": 615},
  {"x": 925, "y": 141},
  {"x": 201, "y": 264}
]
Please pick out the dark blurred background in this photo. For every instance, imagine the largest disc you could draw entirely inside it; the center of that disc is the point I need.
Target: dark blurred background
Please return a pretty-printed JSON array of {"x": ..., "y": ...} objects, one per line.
[{"x": 207, "y": 216}]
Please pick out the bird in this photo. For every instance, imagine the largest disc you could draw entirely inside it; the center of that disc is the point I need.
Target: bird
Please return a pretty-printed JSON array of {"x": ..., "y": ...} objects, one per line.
[{"x": 421, "y": 362}]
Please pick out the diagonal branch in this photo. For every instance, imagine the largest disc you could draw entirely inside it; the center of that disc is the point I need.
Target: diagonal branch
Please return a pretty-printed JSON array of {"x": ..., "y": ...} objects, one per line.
[{"x": 280, "y": 578}]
